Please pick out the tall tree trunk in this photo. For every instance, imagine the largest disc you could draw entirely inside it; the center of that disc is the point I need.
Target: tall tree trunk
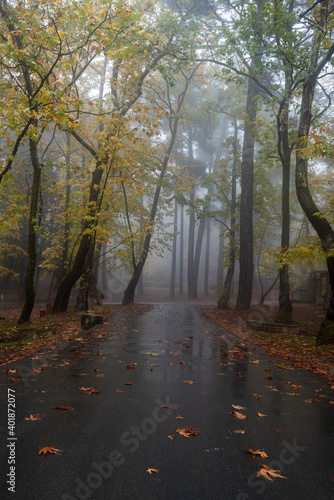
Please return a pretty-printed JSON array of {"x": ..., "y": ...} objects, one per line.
[
  {"x": 246, "y": 203},
  {"x": 29, "y": 281},
  {"x": 225, "y": 296},
  {"x": 181, "y": 250},
  {"x": 314, "y": 215},
  {"x": 285, "y": 304},
  {"x": 66, "y": 207},
  {"x": 191, "y": 245},
  {"x": 173, "y": 268},
  {"x": 104, "y": 270},
  {"x": 197, "y": 256},
  {"x": 207, "y": 256},
  {"x": 129, "y": 293}
]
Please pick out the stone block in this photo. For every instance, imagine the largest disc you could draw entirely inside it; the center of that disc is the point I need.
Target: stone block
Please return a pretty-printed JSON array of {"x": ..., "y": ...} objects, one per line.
[{"x": 90, "y": 320}]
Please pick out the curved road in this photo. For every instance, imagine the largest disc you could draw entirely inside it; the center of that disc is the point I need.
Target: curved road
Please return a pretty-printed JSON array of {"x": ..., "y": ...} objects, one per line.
[{"x": 163, "y": 424}]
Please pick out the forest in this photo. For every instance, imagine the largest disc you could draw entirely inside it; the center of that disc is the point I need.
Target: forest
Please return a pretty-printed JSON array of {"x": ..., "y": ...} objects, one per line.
[{"x": 187, "y": 141}]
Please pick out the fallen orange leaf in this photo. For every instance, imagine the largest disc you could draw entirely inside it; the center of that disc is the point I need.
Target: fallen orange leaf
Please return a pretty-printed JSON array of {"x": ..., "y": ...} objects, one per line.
[
  {"x": 90, "y": 390},
  {"x": 187, "y": 431},
  {"x": 238, "y": 407},
  {"x": 171, "y": 437},
  {"x": 37, "y": 416},
  {"x": 127, "y": 383},
  {"x": 8, "y": 370},
  {"x": 179, "y": 417},
  {"x": 188, "y": 381},
  {"x": 15, "y": 380},
  {"x": 238, "y": 415},
  {"x": 269, "y": 473},
  {"x": 261, "y": 414},
  {"x": 48, "y": 449},
  {"x": 240, "y": 431},
  {"x": 259, "y": 453},
  {"x": 152, "y": 470}
]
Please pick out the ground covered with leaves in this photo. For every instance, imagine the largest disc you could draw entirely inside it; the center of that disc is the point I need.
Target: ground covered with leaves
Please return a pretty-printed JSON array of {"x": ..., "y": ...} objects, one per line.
[
  {"x": 19, "y": 341},
  {"x": 299, "y": 349}
]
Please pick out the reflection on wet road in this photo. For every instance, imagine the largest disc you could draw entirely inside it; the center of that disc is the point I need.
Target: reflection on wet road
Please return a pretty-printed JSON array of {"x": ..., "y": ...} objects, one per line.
[{"x": 177, "y": 394}]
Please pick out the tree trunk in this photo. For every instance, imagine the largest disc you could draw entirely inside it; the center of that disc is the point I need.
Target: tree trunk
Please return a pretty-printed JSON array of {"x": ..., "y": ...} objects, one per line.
[
  {"x": 226, "y": 292},
  {"x": 197, "y": 256},
  {"x": 191, "y": 245},
  {"x": 316, "y": 218},
  {"x": 129, "y": 293},
  {"x": 181, "y": 251},
  {"x": 207, "y": 256},
  {"x": 173, "y": 269},
  {"x": 246, "y": 203},
  {"x": 66, "y": 207},
  {"x": 61, "y": 300},
  {"x": 29, "y": 281}
]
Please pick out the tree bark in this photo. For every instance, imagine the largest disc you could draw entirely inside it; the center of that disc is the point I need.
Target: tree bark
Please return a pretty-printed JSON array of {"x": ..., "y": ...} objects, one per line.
[
  {"x": 246, "y": 202},
  {"x": 181, "y": 251},
  {"x": 316, "y": 218},
  {"x": 174, "y": 255},
  {"x": 129, "y": 293},
  {"x": 226, "y": 292},
  {"x": 29, "y": 280}
]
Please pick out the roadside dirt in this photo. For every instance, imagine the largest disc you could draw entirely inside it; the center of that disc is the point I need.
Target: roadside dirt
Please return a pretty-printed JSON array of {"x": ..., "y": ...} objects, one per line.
[{"x": 299, "y": 350}]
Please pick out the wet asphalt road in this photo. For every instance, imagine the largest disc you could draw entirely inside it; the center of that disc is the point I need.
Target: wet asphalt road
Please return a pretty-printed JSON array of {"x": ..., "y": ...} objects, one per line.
[{"x": 109, "y": 440}]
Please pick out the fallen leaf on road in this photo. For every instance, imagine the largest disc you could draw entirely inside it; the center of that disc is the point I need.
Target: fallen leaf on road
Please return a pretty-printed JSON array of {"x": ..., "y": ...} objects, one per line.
[
  {"x": 48, "y": 449},
  {"x": 188, "y": 381},
  {"x": 118, "y": 390},
  {"x": 127, "y": 383},
  {"x": 128, "y": 367},
  {"x": 38, "y": 370},
  {"x": 90, "y": 390},
  {"x": 238, "y": 407},
  {"x": 152, "y": 354},
  {"x": 9, "y": 371},
  {"x": 152, "y": 470},
  {"x": 238, "y": 415},
  {"x": 62, "y": 407},
  {"x": 171, "y": 437},
  {"x": 261, "y": 414},
  {"x": 268, "y": 473},
  {"x": 16, "y": 380},
  {"x": 259, "y": 453},
  {"x": 240, "y": 431},
  {"x": 308, "y": 400},
  {"x": 257, "y": 395},
  {"x": 179, "y": 417},
  {"x": 187, "y": 431},
  {"x": 37, "y": 416}
]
